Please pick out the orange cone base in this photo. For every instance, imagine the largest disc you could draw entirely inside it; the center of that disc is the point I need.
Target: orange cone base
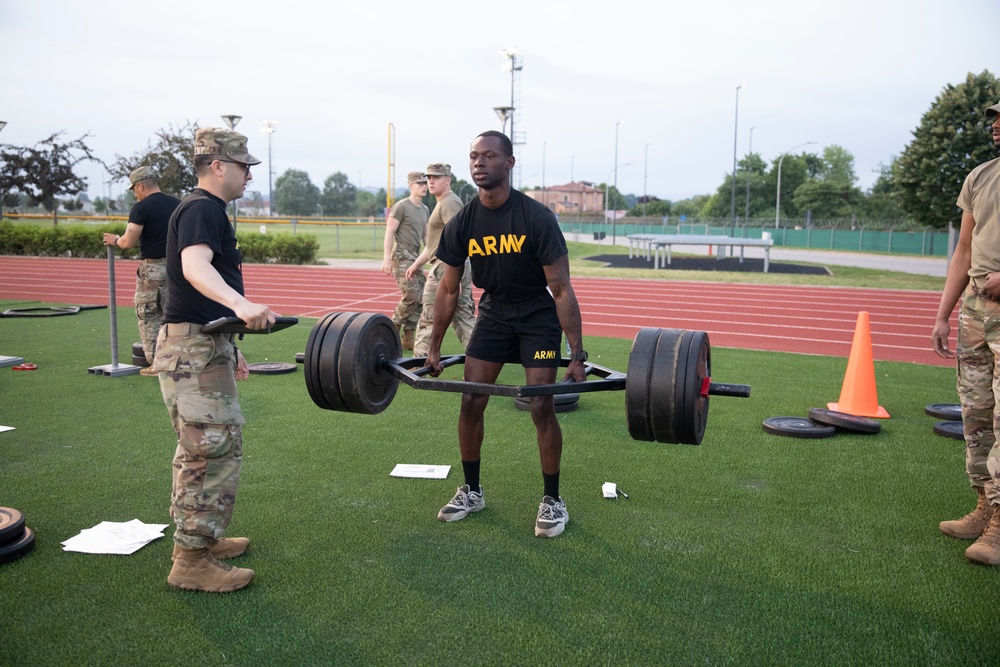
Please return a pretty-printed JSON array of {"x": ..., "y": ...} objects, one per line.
[{"x": 880, "y": 412}]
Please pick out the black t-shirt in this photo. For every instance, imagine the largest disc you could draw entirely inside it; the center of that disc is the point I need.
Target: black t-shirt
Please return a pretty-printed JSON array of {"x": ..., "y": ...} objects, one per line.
[
  {"x": 200, "y": 218},
  {"x": 152, "y": 214},
  {"x": 507, "y": 246}
]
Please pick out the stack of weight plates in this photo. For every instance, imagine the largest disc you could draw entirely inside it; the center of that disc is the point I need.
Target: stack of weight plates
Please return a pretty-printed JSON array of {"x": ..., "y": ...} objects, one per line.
[
  {"x": 16, "y": 539},
  {"x": 951, "y": 413}
]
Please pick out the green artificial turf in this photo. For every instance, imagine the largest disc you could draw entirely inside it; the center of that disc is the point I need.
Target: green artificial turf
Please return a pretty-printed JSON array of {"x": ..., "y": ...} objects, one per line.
[{"x": 751, "y": 549}]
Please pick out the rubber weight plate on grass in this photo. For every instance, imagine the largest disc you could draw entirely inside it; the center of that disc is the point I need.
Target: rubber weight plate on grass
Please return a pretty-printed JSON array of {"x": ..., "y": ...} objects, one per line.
[
  {"x": 18, "y": 547},
  {"x": 797, "y": 427},
  {"x": 949, "y": 411},
  {"x": 563, "y": 402},
  {"x": 11, "y": 524},
  {"x": 271, "y": 368},
  {"x": 846, "y": 421},
  {"x": 950, "y": 429}
]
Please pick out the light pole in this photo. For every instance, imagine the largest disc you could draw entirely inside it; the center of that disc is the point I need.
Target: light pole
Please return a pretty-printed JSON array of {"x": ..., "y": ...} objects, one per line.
[
  {"x": 607, "y": 193},
  {"x": 514, "y": 65},
  {"x": 645, "y": 170},
  {"x": 746, "y": 215},
  {"x": 732, "y": 206},
  {"x": 777, "y": 203},
  {"x": 615, "y": 218},
  {"x": 503, "y": 113},
  {"x": 231, "y": 121},
  {"x": 267, "y": 127},
  {"x": 3, "y": 193}
]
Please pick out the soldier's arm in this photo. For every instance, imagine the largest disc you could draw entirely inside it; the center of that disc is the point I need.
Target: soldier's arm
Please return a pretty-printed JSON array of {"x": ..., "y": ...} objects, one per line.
[{"x": 196, "y": 263}]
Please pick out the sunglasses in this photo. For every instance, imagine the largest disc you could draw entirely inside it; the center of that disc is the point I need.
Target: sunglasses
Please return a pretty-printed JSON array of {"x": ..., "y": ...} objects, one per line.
[{"x": 246, "y": 167}]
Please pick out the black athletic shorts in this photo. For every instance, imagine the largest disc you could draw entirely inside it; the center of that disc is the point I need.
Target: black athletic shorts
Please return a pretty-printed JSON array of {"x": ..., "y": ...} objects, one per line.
[{"x": 526, "y": 332}]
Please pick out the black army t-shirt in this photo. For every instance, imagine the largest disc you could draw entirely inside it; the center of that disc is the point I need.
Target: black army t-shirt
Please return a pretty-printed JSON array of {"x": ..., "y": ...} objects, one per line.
[
  {"x": 507, "y": 246},
  {"x": 153, "y": 213},
  {"x": 200, "y": 219}
]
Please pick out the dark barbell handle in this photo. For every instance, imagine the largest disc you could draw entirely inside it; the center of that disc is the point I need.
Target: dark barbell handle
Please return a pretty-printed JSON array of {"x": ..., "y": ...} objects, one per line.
[
  {"x": 724, "y": 389},
  {"x": 424, "y": 370}
]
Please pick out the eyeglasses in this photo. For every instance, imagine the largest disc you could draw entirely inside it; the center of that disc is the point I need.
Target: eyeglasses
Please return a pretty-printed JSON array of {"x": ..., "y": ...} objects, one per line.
[{"x": 246, "y": 167}]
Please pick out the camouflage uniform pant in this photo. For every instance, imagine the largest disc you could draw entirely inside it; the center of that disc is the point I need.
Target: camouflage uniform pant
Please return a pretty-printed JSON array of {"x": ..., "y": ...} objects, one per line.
[
  {"x": 198, "y": 383},
  {"x": 465, "y": 311},
  {"x": 407, "y": 312},
  {"x": 150, "y": 295},
  {"x": 978, "y": 351}
]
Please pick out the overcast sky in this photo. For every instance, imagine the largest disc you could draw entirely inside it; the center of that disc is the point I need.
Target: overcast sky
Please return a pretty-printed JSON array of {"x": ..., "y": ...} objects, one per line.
[{"x": 857, "y": 73}]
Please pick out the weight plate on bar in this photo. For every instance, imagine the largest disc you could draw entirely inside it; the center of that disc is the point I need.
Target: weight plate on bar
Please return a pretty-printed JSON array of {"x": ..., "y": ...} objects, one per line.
[
  {"x": 364, "y": 386},
  {"x": 666, "y": 381},
  {"x": 797, "y": 427},
  {"x": 322, "y": 351},
  {"x": 640, "y": 366},
  {"x": 948, "y": 411},
  {"x": 696, "y": 385},
  {"x": 11, "y": 524},
  {"x": 950, "y": 429},
  {"x": 272, "y": 368},
  {"x": 313, "y": 357},
  {"x": 17, "y": 548},
  {"x": 846, "y": 421}
]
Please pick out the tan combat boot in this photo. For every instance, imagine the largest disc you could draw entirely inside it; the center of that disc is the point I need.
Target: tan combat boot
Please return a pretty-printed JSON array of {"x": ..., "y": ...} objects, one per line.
[
  {"x": 227, "y": 547},
  {"x": 408, "y": 335},
  {"x": 972, "y": 525},
  {"x": 199, "y": 570},
  {"x": 986, "y": 549}
]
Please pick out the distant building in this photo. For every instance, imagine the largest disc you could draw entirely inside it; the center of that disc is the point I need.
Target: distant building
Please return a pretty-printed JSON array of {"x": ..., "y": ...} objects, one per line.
[{"x": 576, "y": 198}]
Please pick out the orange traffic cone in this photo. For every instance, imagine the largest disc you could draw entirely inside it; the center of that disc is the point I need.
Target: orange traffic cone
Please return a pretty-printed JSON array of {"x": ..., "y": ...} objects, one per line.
[{"x": 857, "y": 395}]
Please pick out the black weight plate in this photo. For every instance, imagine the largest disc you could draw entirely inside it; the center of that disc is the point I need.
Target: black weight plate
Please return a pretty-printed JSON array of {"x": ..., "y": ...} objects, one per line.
[
  {"x": 235, "y": 325},
  {"x": 563, "y": 402},
  {"x": 139, "y": 360},
  {"x": 322, "y": 350},
  {"x": 950, "y": 429},
  {"x": 666, "y": 382},
  {"x": 300, "y": 357},
  {"x": 949, "y": 411},
  {"x": 137, "y": 350},
  {"x": 41, "y": 311},
  {"x": 797, "y": 427},
  {"x": 11, "y": 524},
  {"x": 17, "y": 548},
  {"x": 640, "y": 366},
  {"x": 846, "y": 421},
  {"x": 272, "y": 368},
  {"x": 313, "y": 351},
  {"x": 695, "y": 406},
  {"x": 364, "y": 386}
]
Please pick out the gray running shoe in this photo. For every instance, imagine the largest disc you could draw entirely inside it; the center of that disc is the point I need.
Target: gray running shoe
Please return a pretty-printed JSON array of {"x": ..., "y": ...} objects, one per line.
[
  {"x": 465, "y": 501},
  {"x": 552, "y": 517}
]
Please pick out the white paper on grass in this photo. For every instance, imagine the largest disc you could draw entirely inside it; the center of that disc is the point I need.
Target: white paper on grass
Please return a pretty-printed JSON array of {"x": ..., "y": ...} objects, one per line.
[
  {"x": 6, "y": 428},
  {"x": 421, "y": 471},
  {"x": 609, "y": 489},
  {"x": 111, "y": 537}
]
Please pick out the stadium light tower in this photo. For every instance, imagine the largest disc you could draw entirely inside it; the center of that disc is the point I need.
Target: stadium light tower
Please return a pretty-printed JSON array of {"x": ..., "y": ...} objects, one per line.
[
  {"x": 736, "y": 123},
  {"x": 777, "y": 204},
  {"x": 614, "y": 219},
  {"x": 513, "y": 65},
  {"x": 3, "y": 124},
  {"x": 746, "y": 214},
  {"x": 267, "y": 127}
]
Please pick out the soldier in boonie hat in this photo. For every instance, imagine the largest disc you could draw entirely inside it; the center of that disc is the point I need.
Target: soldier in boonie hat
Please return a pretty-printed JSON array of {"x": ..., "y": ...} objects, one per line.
[
  {"x": 438, "y": 169},
  {"x": 416, "y": 177},
  {"x": 140, "y": 174},
  {"x": 224, "y": 143}
]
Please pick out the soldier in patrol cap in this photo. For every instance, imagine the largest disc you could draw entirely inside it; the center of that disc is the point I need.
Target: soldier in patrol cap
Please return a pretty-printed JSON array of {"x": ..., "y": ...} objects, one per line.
[
  {"x": 974, "y": 277},
  {"x": 147, "y": 228},
  {"x": 198, "y": 371},
  {"x": 404, "y": 233},
  {"x": 448, "y": 205}
]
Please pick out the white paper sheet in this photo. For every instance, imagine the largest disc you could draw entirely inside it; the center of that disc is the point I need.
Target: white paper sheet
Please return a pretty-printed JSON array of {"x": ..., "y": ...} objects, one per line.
[
  {"x": 6, "y": 428},
  {"x": 421, "y": 471},
  {"x": 110, "y": 537}
]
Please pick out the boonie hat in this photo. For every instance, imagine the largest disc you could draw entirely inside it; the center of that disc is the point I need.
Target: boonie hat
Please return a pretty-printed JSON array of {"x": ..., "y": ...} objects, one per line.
[
  {"x": 224, "y": 143},
  {"x": 140, "y": 174},
  {"x": 416, "y": 177},
  {"x": 438, "y": 169},
  {"x": 992, "y": 111}
]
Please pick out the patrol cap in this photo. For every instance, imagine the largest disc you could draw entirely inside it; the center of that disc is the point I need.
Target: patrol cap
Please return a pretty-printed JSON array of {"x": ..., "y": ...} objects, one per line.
[
  {"x": 140, "y": 174},
  {"x": 992, "y": 111},
  {"x": 438, "y": 169},
  {"x": 224, "y": 143},
  {"x": 416, "y": 177}
]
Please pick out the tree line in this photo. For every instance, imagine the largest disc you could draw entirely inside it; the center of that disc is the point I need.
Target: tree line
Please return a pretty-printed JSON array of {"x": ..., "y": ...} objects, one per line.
[{"x": 918, "y": 186}]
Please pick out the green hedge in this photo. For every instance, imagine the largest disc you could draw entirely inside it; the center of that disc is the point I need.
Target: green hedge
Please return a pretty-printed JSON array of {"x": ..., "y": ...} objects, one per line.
[{"x": 85, "y": 241}]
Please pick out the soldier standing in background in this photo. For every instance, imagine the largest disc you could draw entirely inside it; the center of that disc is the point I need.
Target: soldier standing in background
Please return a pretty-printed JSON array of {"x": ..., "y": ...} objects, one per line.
[
  {"x": 147, "y": 227},
  {"x": 447, "y": 207},
  {"x": 404, "y": 232}
]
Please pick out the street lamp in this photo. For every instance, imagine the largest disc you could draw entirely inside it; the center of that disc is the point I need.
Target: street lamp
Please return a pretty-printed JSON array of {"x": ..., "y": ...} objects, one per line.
[
  {"x": 732, "y": 206},
  {"x": 746, "y": 216},
  {"x": 267, "y": 127},
  {"x": 777, "y": 204},
  {"x": 3, "y": 193},
  {"x": 607, "y": 194},
  {"x": 613, "y": 237},
  {"x": 513, "y": 65},
  {"x": 645, "y": 169},
  {"x": 231, "y": 121},
  {"x": 503, "y": 113}
]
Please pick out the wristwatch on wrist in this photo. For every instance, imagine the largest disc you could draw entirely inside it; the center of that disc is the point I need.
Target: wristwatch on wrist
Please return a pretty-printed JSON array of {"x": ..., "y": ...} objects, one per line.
[{"x": 579, "y": 356}]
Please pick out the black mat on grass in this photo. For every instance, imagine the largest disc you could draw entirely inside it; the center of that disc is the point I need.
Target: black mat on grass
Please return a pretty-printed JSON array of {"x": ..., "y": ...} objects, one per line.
[{"x": 751, "y": 265}]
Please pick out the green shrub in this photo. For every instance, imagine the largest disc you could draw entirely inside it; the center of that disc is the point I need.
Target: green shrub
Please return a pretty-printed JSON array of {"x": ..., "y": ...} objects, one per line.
[{"x": 279, "y": 248}]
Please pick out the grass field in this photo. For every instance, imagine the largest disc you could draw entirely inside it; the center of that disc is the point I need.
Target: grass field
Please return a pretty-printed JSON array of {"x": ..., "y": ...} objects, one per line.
[{"x": 751, "y": 549}]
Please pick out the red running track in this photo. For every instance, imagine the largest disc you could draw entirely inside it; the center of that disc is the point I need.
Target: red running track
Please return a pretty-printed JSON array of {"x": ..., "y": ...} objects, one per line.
[{"x": 808, "y": 320}]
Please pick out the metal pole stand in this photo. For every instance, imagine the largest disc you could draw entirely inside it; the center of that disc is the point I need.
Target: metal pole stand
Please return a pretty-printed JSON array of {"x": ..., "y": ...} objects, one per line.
[
  {"x": 10, "y": 361},
  {"x": 114, "y": 369}
]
